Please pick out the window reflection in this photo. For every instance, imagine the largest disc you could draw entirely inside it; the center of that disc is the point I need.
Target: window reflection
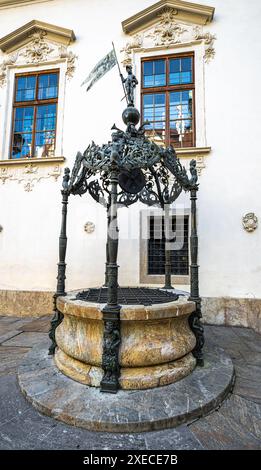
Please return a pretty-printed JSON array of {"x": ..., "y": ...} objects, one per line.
[
  {"x": 34, "y": 116},
  {"x": 154, "y": 73},
  {"x": 180, "y": 71},
  {"x": 180, "y": 113},
  {"x": 169, "y": 106}
]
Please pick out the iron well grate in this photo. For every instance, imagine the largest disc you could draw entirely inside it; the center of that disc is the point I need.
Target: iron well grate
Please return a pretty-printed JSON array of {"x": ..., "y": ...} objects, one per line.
[{"x": 129, "y": 296}]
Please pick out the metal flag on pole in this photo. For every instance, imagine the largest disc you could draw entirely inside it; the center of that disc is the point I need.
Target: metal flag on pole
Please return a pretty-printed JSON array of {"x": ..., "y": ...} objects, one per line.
[
  {"x": 100, "y": 69},
  {"x": 125, "y": 96}
]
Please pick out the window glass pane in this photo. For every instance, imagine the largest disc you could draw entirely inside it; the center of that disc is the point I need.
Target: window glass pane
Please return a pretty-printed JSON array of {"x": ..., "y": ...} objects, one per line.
[
  {"x": 154, "y": 73},
  {"x": 174, "y": 78},
  {"x": 148, "y": 81},
  {"x": 156, "y": 246},
  {"x": 23, "y": 119},
  {"x": 21, "y": 83},
  {"x": 22, "y": 145},
  {"x": 46, "y": 117},
  {"x": 45, "y": 127},
  {"x": 44, "y": 144},
  {"x": 25, "y": 88},
  {"x": 156, "y": 135},
  {"x": 159, "y": 80},
  {"x": 148, "y": 68},
  {"x": 186, "y": 64},
  {"x": 159, "y": 99},
  {"x": 47, "y": 86},
  {"x": 174, "y": 65},
  {"x": 181, "y": 132},
  {"x": 159, "y": 67},
  {"x": 175, "y": 97},
  {"x": 186, "y": 77},
  {"x": 147, "y": 100},
  {"x": 180, "y": 70},
  {"x": 159, "y": 112},
  {"x": 154, "y": 108},
  {"x": 159, "y": 125},
  {"x": 148, "y": 114},
  {"x": 40, "y": 120}
]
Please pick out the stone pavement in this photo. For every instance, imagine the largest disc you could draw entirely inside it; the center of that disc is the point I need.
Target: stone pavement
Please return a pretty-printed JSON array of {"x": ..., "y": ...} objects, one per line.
[{"x": 235, "y": 425}]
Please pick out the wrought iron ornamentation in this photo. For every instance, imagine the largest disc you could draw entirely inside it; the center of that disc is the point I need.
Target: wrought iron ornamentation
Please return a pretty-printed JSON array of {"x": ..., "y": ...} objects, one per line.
[
  {"x": 161, "y": 179},
  {"x": 110, "y": 362}
]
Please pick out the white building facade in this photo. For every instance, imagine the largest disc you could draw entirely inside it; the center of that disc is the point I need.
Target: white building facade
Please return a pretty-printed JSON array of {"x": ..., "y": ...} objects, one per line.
[{"x": 198, "y": 68}]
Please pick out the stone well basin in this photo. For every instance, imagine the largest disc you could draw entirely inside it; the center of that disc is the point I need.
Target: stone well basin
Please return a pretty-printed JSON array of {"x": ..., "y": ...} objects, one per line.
[{"x": 156, "y": 342}]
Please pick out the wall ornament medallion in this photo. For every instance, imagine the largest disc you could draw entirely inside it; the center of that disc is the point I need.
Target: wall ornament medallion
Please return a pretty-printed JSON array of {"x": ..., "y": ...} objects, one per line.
[
  {"x": 250, "y": 222},
  {"x": 89, "y": 227}
]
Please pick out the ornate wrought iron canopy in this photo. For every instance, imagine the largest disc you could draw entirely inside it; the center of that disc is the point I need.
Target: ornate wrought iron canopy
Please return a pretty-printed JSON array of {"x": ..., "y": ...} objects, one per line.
[{"x": 147, "y": 172}]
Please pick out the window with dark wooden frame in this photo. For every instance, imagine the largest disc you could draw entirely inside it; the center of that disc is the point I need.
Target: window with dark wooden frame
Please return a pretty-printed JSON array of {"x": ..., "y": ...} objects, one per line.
[
  {"x": 167, "y": 99},
  {"x": 34, "y": 115},
  {"x": 156, "y": 246}
]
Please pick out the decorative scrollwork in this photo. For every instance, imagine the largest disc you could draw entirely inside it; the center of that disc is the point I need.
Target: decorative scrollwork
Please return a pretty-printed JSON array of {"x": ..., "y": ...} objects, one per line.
[
  {"x": 149, "y": 197},
  {"x": 127, "y": 199},
  {"x": 97, "y": 193}
]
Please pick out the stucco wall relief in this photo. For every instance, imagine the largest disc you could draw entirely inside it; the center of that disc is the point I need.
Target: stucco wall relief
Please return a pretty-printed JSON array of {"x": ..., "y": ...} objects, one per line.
[
  {"x": 37, "y": 50},
  {"x": 250, "y": 222},
  {"x": 29, "y": 174},
  {"x": 169, "y": 32}
]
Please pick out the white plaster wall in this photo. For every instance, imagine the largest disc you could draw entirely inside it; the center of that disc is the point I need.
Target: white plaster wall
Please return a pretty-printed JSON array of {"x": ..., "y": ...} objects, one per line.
[
  {"x": 230, "y": 263},
  {"x": 230, "y": 257}
]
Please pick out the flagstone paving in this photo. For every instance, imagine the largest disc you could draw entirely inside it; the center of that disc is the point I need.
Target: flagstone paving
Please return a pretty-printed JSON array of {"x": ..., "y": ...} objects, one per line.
[{"x": 235, "y": 425}]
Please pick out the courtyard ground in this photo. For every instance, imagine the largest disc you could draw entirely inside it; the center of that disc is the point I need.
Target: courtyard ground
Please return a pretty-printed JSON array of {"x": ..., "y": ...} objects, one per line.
[{"x": 235, "y": 425}]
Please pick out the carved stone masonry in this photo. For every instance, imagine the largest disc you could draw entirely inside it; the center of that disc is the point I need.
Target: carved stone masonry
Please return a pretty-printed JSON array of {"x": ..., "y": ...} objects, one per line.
[
  {"x": 38, "y": 49},
  {"x": 5, "y": 174},
  {"x": 29, "y": 175},
  {"x": 71, "y": 58},
  {"x": 136, "y": 42},
  {"x": 250, "y": 222},
  {"x": 208, "y": 40},
  {"x": 89, "y": 227},
  {"x": 10, "y": 60},
  {"x": 168, "y": 31},
  {"x": 200, "y": 164}
]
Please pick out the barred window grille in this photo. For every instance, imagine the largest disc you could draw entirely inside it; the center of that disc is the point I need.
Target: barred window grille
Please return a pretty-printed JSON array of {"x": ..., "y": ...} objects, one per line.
[{"x": 156, "y": 246}]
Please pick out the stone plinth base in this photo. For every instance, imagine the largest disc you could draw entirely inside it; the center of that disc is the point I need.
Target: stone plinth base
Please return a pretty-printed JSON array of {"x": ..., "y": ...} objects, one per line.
[
  {"x": 56, "y": 395},
  {"x": 156, "y": 342}
]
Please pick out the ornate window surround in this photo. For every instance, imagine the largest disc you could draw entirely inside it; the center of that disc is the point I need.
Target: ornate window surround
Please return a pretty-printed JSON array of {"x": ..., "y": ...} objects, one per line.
[
  {"x": 35, "y": 46},
  {"x": 6, "y": 127},
  {"x": 201, "y": 140},
  {"x": 169, "y": 27},
  {"x": 184, "y": 11}
]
